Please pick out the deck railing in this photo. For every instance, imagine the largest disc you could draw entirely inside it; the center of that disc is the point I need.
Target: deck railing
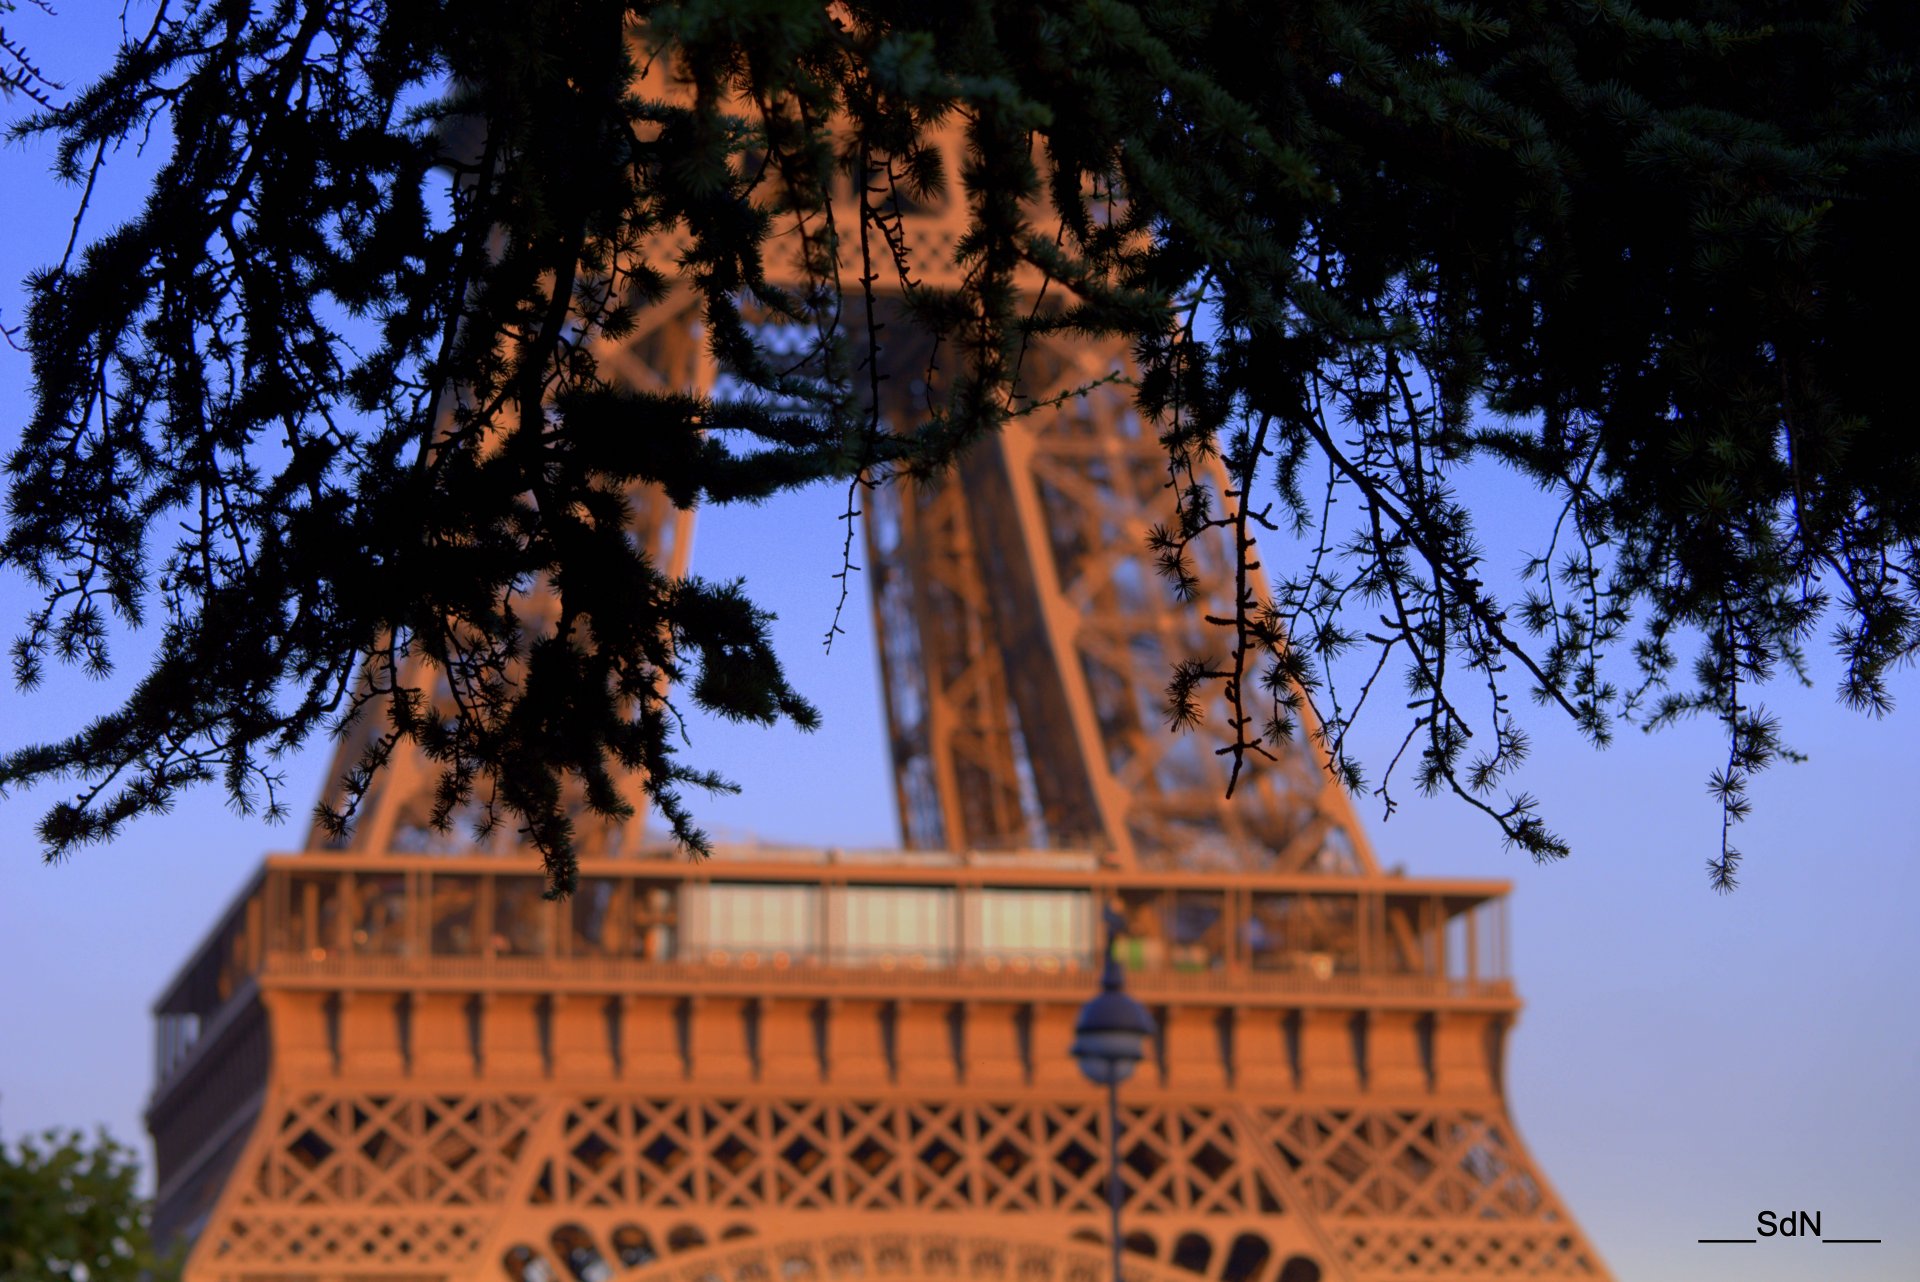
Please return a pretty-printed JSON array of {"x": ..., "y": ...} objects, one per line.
[{"x": 1004, "y": 981}]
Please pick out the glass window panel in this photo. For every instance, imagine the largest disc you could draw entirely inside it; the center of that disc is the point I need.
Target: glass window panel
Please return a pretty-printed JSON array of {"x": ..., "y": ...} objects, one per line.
[
  {"x": 910, "y": 923},
  {"x": 1311, "y": 934},
  {"x": 380, "y": 913},
  {"x": 762, "y": 919},
  {"x": 1490, "y": 938},
  {"x": 652, "y": 922},
  {"x": 232, "y": 950},
  {"x": 313, "y": 913},
  {"x": 1142, "y": 944},
  {"x": 519, "y": 917},
  {"x": 1266, "y": 933},
  {"x": 1332, "y": 933},
  {"x": 595, "y": 909},
  {"x": 454, "y": 910},
  {"x": 1194, "y": 926},
  {"x": 1032, "y": 923},
  {"x": 1403, "y": 949}
]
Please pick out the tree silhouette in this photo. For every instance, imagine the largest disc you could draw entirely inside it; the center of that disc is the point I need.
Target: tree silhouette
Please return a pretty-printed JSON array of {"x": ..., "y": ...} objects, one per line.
[
  {"x": 19, "y": 74},
  {"x": 1648, "y": 256}
]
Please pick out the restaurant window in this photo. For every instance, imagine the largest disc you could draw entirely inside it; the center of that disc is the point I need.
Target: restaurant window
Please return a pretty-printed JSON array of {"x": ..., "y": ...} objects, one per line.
[
  {"x": 741, "y": 920},
  {"x": 1049, "y": 925},
  {"x": 912, "y": 925}
]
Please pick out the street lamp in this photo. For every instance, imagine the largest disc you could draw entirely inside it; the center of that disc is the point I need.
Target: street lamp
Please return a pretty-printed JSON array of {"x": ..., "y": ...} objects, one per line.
[{"x": 1109, "y": 1039}]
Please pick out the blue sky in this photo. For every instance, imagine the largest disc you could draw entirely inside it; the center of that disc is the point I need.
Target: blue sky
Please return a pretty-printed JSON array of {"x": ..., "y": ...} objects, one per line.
[{"x": 1684, "y": 1062}]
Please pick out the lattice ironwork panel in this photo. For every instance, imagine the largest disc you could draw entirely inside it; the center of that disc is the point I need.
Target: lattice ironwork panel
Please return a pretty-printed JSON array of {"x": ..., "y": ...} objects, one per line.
[
  {"x": 390, "y": 1150},
  {"x": 1427, "y": 1250},
  {"x": 1014, "y": 1156},
  {"x": 360, "y": 1184},
  {"x": 280, "y": 1242},
  {"x": 1440, "y": 1163},
  {"x": 1428, "y": 1193}
]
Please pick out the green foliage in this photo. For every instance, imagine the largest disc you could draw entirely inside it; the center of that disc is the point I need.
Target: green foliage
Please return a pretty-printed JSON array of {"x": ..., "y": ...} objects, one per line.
[
  {"x": 69, "y": 1212},
  {"x": 1650, "y": 256}
]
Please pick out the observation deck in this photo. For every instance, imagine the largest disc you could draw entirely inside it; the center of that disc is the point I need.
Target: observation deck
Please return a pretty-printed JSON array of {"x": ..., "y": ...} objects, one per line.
[
  {"x": 765, "y": 967},
  {"x": 826, "y": 922}
]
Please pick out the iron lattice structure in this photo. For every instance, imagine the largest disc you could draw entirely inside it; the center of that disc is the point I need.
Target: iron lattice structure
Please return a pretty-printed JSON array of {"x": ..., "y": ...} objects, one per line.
[{"x": 393, "y": 1059}]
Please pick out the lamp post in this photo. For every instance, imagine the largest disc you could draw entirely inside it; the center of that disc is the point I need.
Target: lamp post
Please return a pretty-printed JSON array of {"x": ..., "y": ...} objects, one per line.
[{"x": 1109, "y": 1040}]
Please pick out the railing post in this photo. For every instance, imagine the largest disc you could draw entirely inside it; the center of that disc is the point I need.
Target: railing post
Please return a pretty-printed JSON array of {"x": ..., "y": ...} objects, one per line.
[
  {"x": 483, "y": 915},
  {"x": 310, "y": 916},
  {"x": 1364, "y": 906},
  {"x": 340, "y": 937}
]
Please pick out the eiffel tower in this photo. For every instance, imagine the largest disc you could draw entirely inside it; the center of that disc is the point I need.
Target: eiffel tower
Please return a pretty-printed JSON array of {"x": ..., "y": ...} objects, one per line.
[{"x": 393, "y": 1061}]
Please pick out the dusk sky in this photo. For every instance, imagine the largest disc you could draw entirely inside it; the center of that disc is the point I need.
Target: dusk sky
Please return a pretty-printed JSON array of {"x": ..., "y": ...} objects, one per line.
[{"x": 1685, "y": 1060}]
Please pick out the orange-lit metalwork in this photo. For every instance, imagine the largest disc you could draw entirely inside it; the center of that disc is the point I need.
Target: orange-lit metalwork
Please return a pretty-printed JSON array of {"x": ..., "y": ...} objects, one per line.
[{"x": 393, "y": 1060}]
